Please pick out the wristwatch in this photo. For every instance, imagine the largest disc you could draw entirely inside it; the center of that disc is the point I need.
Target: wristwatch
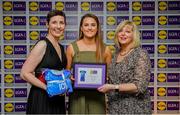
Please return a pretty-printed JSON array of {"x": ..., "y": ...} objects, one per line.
[{"x": 116, "y": 88}]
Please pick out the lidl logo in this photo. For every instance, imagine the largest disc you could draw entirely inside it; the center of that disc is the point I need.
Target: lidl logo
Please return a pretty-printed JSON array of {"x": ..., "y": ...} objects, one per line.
[
  {"x": 110, "y": 35},
  {"x": 162, "y": 63},
  {"x": 161, "y": 77},
  {"x": 33, "y": 6},
  {"x": 59, "y": 6},
  {"x": 161, "y": 105},
  {"x": 137, "y": 20},
  {"x": 34, "y": 35},
  {"x": 136, "y": 6},
  {"x": 8, "y": 78},
  {"x": 8, "y": 20},
  {"x": 9, "y": 93},
  {"x": 34, "y": 20},
  {"x": 162, "y": 49},
  {"x": 8, "y": 64},
  {"x": 8, "y": 35},
  {"x": 162, "y": 5},
  {"x": 7, "y": 6},
  {"x": 162, "y": 34},
  {"x": 111, "y": 20},
  {"x": 8, "y": 107},
  {"x": 111, "y": 6},
  {"x": 162, "y": 20},
  {"x": 161, "y": 91},
  {"x": 85, "y": 6}
]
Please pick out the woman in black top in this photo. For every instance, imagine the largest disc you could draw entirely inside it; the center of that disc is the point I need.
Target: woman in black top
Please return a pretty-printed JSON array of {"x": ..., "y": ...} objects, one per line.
[{"x": 50, "y": 54}]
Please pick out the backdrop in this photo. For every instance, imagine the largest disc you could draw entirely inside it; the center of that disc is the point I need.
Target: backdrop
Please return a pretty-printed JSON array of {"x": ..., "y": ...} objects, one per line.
[{"x": 22, "y": 24}]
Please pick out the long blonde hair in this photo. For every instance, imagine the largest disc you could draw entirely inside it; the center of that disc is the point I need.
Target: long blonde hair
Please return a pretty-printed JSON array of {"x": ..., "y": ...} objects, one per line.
[
  {"x": 136, "y": 34},
  {"x": 100, "y": 47}
]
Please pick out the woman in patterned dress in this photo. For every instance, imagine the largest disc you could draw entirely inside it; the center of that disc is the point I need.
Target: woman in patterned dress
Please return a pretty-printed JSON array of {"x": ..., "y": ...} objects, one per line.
[{"x": 129, "y": 74}]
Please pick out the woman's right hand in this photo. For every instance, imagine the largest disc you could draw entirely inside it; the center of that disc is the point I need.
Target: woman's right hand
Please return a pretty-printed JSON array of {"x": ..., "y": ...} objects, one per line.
[{"x": 72, "y": 78}]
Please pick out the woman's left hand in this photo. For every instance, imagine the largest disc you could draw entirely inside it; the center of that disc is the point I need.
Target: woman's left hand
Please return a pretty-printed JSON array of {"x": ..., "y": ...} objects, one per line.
[{"x": 106, "y": 88}]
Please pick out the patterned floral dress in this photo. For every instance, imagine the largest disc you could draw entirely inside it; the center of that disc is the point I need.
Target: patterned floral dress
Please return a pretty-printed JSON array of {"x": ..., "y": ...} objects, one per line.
[{"x": 134, "y": 68}]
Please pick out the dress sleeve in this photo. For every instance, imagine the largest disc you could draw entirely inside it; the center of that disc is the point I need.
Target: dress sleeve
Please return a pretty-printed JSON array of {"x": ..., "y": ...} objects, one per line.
[{"x": 142, "y": 72}]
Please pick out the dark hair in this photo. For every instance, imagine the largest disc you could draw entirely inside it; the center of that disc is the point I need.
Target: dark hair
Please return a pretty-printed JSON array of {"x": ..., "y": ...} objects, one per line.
[
  {"x": 53, "y": 13},
  {"x": 98, "y": 37}
]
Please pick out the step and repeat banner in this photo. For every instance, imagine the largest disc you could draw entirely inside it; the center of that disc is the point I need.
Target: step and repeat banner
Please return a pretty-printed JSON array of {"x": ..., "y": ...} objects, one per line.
[{"x": 22, "y": 24}]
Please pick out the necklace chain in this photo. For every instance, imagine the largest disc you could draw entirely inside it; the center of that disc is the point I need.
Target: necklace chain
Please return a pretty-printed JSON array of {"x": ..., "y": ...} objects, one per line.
[{"x": 126, "y": 53}]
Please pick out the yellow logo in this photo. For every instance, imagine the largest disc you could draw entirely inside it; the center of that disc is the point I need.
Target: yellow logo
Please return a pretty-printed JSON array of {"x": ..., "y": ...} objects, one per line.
[
  {"x": 9, "y": 92},
  {"x": 34, "y": 20},
  {"x": 162, "y": 49},
  {"x": 33, "y": 6},
  {"x": 8, "y": 107},
  {"x": 161, "y": 91},
  {"x": 161, "y": 77},
  {"x": 162, "y": 34},
  {"x": 112, "y": 48},
  {"x": 34, "y": 35},
  {"x": 85, "y": 6},
  {"x": 110, "y": 35},
  {"x": 7, "y": 6},
  {"x": 137, "y": 20},
  {"x": 161, "y": 105},
  {"x": 162, "y": 20},
  {"x": 111, "y": 20},
  {"x": 7, "y": 20},
  {"x": 59, "y": 6},
  {"x": 8, "y": 64},
  {"x": 136, "y": 6},
  {"x": 111, "y": 6},
  {"x": 9, "y": 78},
  {"x": 8, "y": 49},
  {"x": 162, "y": 5},
  {"x": 162, "y": 63},
  {"x": 8, "y": 35}
]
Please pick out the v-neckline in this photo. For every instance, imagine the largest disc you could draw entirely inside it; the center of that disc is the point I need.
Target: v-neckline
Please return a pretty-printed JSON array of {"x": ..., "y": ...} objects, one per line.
[
  {"x": 125, "y": 58},
  {"x": 60, "y": 58}
]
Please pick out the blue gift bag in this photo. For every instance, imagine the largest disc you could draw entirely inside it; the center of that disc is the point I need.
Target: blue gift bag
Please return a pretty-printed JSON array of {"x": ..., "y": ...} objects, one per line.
[{"x": 58, "y": 82}]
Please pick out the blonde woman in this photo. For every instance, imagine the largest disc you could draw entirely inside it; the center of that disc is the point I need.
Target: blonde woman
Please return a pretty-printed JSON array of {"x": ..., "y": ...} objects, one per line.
[{"x": 129, "y": 74}]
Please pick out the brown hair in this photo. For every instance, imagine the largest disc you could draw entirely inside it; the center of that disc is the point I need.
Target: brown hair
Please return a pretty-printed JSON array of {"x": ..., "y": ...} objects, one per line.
[{"x": 100, "y": 47}]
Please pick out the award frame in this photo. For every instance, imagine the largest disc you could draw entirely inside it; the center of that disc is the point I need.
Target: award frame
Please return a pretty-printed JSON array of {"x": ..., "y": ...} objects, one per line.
[{"x": 89, "y": 75}]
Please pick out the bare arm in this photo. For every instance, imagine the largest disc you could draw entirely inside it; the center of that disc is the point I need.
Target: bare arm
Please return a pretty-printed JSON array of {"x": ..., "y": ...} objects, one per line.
[
  {"x": 34, "y": 58},
  {"x": 69, "y": 55},
  {"x": 108, "y": 55}
]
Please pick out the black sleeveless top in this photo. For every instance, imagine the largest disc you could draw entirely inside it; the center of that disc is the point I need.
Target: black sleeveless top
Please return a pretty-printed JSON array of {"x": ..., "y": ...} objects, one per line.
[
  {"x": 51, "y": 59},
  {"x": 38, "y": 100}
]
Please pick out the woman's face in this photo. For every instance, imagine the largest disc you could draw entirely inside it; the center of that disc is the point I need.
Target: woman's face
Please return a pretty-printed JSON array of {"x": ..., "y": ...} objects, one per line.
[
  {"x": 89, "y": 27},
  {"x": 125, "y": 36},
  {"x": 56, "y": 26}
]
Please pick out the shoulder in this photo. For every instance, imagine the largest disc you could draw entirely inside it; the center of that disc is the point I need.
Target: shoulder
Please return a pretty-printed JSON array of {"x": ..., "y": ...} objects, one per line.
[
  {"x": 70, "y": 47},
  {"x": 142, "y": 52},
  {"x": 40, "y": 45}
]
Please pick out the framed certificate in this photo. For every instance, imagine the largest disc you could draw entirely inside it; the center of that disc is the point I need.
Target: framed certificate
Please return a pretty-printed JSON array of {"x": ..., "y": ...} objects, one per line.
[{"x": 89, "y": 75}]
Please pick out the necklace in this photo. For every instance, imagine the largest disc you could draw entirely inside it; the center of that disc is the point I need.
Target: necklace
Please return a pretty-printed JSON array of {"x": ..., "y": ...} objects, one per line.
[{"x": 126, "y": 53}]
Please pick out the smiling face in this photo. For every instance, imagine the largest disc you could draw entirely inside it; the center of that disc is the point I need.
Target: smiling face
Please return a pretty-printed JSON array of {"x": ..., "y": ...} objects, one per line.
[
  {"x": 125, "y": 36},
  {"x": 89, "y": 27},
  {"x": 56, "y": 26}
]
